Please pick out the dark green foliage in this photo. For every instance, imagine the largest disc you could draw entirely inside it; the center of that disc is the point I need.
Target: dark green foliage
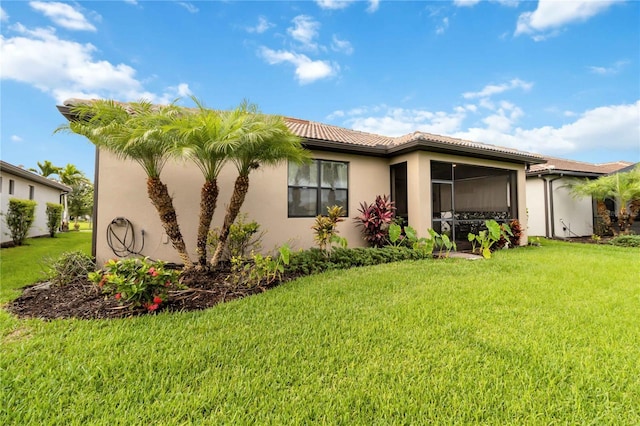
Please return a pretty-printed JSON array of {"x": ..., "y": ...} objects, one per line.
[
  {"x": 80, "y": 200},
  {"x": 19, "y": 217},
  {"x": 315, "y": 260},
  {"x": 54, "y": 217},
  {"x": 626, "y": 241},
  {"x": 71, "y": 267}
]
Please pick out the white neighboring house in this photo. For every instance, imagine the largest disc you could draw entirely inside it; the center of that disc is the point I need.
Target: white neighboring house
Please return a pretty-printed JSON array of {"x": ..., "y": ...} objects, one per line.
[
  {"x": 16, "y": 182},
  {"x": 553, "y": 211}
]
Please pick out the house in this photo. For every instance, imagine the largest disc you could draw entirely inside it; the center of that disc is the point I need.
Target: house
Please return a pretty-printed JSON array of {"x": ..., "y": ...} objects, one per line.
[
  {"x": 16, "y": 182},
  {"x": 448, "y": 184},
  {"x": 553, "y": 211}
]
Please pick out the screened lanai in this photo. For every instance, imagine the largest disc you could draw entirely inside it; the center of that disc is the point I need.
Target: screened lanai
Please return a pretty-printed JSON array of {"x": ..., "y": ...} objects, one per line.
[{"x": 464, "y": 196}]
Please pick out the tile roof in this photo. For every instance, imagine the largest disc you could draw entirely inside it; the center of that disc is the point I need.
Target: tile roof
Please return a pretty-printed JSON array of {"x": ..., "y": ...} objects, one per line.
[
  {"x": 563, "y": 165},
  {"x": 353, "y": 140}
]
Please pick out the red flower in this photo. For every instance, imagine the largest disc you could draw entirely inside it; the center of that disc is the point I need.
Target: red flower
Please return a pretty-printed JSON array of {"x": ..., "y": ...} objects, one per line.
[
  {"x": 153, "y": 307},
  {"x": 157, "y": 300},
  {"x": 167, "y": 284},
  {"x": 153, "y": 272},
  {"x": 118, "y": 296}
]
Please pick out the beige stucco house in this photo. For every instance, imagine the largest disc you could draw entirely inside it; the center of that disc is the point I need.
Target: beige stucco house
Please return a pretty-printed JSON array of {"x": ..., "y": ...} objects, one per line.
[
  {"x": 448, "y": 184},
  {"x": 16, "y": 182},
  {"x": 553, "y": 211}
]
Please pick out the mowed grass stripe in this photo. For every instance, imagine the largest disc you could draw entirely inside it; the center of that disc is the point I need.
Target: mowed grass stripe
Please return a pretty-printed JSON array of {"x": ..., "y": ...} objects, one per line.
[{"x": 534, "y": 336}]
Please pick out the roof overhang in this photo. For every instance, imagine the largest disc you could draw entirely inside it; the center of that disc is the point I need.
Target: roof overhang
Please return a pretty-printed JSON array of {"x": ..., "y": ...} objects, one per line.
[
  {"x": 571, "y": 173},
  {"x": 26, "y": 174}
]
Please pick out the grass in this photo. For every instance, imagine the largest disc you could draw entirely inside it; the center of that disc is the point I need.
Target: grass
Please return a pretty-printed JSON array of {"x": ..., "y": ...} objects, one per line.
[
  {"x": 539, "y": 335},
  {"x": 25, "y": 264}
]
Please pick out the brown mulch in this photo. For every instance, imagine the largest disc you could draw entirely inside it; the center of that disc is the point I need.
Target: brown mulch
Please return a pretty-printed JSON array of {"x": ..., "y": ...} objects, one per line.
[{"x": 85, "y": 300}]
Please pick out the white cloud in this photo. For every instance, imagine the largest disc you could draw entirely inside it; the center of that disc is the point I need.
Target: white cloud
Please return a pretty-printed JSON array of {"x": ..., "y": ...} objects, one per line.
[
  {"x": 134, "y": 2},
  {"x": 63, "y": 15},
  {"x": 262, "y": 26},
  {"x": 304, "y": 30},
  {"x": 493, "y": 89},
  {"x": 389, "y": 121},
  {"x": 465, "y": 3},
  {"x": 551, "y": 15},
  {"x": 334, "y": 4},
  {"x": 613, "y": 69},
  {"x": 615, "y": 126},
  {"x": 191, "y": 8},
  {"x": 307, "y": 70},
  {"x": 16, "y": 138},
  {"x": 64, "y": 68},
  {"x": 373, "y": 6},
  {"x": 341, "y": 45},
  {"x": 440, "y": 29},
  {"x": 4, "y": 16}
]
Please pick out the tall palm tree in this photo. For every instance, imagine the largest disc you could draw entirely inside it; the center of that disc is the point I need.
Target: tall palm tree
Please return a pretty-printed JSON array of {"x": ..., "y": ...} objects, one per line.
[
  {"x": 46, "y": 169},
  {"x": 135, "y": 131},
  {"x": 264, "y": 140},
  {"x": 209, "y": 137},
  {"x": 624, "y": 188}
]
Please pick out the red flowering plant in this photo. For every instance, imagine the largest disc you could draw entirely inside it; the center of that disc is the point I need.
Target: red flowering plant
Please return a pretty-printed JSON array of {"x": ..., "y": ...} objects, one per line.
[{"x": 137, "y": 282}]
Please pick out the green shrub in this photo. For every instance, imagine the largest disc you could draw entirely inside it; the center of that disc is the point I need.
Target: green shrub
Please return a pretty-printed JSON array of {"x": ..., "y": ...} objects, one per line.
[
  {"x": 138, "y": 282},
  {"x": 325, "y": 228},
  {"x": 70, "y": 268},
  {"x": 54, "y": 217},
  {"x": 244, "y": 238},
  {"x": 19, "y": 217},
  {"x": 626, "y": 241},
  {"x": 314, "y": 260},
  {"x": 260, "y": 268}
]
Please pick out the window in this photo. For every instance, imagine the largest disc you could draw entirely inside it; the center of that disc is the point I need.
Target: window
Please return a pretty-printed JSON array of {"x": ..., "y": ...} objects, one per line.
[
  {"x": 11, "y": 186},
  {"x": 315, "y": 186},
  {"x": 32, "y": 192}
]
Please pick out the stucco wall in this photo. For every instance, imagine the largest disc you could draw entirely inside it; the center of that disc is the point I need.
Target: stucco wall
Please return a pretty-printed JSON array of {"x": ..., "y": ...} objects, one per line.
[
  {"x": 568, "y": 216},
  {"x": 122, "y": 193},
  {"x": 42, "y": 195},
  {"x": 572, "y": 216},
  {"x": 535, "y": 207}
]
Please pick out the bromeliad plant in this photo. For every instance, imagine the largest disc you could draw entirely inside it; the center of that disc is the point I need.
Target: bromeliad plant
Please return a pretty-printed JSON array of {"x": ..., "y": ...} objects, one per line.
[
  {"x": 375, "y": 220},
  {"x": 137, "y": 282}
]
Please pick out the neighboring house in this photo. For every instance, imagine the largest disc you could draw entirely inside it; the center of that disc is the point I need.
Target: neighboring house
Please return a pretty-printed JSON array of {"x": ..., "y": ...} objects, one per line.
[
  {"x": 16, "y": 182},
  {"x": 448, "y": 184},
  {"x": 553, "y": 211}
]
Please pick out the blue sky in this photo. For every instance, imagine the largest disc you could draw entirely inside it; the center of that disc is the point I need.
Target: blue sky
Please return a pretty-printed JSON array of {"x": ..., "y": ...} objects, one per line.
[{"x": 560, "y": 78}]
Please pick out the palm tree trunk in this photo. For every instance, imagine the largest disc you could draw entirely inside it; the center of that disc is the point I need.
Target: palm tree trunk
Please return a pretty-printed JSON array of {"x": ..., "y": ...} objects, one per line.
[
  {"x": 161, "y": 200},
  {"x": 240, "y": 190},
  {"x": 208, "y": 200}
]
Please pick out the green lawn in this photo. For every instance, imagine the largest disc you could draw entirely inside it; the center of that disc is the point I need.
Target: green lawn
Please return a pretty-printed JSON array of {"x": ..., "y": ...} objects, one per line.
[
  {"x": 25, "y": 264},
  {"x": 539, "y": 335}
]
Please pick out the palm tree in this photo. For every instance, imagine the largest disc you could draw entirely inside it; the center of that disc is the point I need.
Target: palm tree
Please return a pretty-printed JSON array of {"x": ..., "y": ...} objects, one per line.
[
  {"x": 263, "y": 140},
  {"x": 624, "y": 188},
  {"x": 70, "y": 175},
  {"x": 134, "y": 131},
  {"x": 209, "y": 137},
  {"x": 46, "y": 169}
]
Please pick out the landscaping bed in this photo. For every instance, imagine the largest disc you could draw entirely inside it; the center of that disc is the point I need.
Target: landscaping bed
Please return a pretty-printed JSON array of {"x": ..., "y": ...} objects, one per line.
[{"x": 85, "y": 300}]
